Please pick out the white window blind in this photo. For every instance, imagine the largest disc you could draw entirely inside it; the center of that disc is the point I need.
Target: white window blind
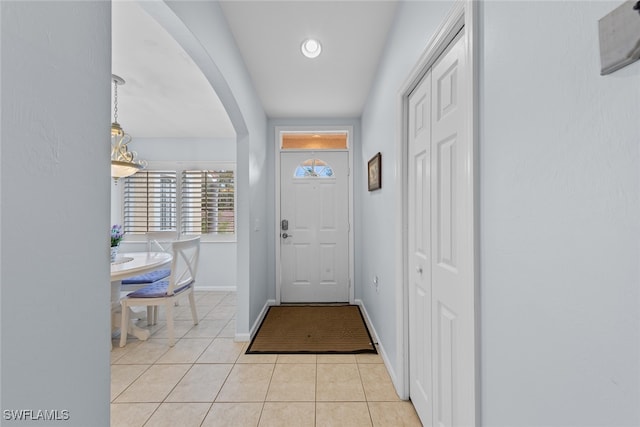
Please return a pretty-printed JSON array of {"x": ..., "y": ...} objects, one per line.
[
  {"x": 208, "y": 202},
  {"x": 150, "y": 202}
]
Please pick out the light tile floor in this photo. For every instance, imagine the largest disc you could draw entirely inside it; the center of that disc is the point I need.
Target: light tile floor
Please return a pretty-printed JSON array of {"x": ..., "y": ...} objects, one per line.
[{"x": 207, "y": 380}]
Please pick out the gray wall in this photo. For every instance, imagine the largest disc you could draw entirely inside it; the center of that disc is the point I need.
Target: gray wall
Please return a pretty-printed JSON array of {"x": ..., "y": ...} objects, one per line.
[
  {"x": 559, "y": 185},
  {"x": 559, "y": 206},
  {"x": 54, "y": 193}
]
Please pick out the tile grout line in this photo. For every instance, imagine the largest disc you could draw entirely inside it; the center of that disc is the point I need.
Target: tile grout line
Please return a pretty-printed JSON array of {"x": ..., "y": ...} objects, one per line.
[
  {"x": 315, "y": 397},
  {"x": 164, "y": 400},
  {"x": 365, "y": 394}
]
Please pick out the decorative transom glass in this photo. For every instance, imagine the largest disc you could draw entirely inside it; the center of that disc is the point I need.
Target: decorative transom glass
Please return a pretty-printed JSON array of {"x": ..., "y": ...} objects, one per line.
[
  {"x": 315, "y": 168},
  {"x": 314, "y": 141}
]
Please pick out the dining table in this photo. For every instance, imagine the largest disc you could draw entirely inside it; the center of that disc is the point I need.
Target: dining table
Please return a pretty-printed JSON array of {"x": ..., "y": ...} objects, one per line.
[{"x": 127, "y": 265}]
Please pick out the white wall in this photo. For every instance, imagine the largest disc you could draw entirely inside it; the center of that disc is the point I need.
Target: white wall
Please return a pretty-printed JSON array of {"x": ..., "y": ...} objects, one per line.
[
  {"x": 559, "y": 206},
  {"x": 218, "y": 260},
  {"x": 559, "y": 185},
  {"x": 54, "y": 192}
]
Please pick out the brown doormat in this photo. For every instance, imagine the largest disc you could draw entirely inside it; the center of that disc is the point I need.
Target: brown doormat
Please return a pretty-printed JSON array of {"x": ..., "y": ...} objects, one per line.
[{"x": 333, "y": 329}]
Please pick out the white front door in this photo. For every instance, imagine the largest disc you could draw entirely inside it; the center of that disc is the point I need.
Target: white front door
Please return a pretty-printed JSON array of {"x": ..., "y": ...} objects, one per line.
[
  {"x": 441, "y": 269},
  {"x": 314, "y": 226}
]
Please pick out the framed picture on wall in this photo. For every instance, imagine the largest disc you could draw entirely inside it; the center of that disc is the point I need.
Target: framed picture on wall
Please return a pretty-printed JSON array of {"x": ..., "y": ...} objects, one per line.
[{"x": 374, "y": 172}]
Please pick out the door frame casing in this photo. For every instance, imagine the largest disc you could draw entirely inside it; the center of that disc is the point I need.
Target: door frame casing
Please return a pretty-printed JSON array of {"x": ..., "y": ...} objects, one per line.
[
  {"x": 464, "y": 14},
  {"x": 279, "y": 130}
]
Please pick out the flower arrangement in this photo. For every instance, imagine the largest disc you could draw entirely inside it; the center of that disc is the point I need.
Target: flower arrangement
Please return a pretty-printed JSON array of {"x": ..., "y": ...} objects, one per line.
[{"x": 116, "y": 235}]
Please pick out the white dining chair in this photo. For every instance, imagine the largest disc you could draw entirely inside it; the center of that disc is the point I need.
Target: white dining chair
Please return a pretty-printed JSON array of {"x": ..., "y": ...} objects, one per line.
[
  {"x": 157, "y": 241},
  {"x": 160, "y": 241},
  {"x": 180, "y": 283}
]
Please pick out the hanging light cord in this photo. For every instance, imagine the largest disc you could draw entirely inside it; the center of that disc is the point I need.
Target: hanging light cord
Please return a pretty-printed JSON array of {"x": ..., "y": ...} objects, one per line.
[{"x": 115, "y": 101}]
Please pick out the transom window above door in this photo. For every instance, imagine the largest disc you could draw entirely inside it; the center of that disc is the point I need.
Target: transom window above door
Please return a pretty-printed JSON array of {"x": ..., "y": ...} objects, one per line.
[
  {"x": 314, "y": 141},
  {"x": 313, "y": 168}
]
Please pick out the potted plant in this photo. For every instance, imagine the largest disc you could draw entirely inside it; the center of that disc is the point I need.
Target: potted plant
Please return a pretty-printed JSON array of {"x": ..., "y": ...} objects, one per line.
[{"x": 116, "y": 237}]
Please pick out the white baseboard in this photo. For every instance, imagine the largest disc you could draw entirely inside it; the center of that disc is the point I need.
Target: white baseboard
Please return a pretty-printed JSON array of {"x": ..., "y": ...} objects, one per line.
[
  {"x": 383, "y": 353},
  {"x": 257, "y": 323},
  {"x": 242, "y": 338},
  {"x": 216, "y": 288}
]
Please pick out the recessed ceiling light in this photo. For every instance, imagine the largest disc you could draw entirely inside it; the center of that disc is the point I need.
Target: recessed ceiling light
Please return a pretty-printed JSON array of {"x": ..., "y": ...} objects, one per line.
[{"x": 311, "y": 48}]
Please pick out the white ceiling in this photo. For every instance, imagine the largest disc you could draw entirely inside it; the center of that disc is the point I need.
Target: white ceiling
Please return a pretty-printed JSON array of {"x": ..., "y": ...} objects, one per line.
[
  {"x": 335, "y": 84},
  {"x": 167, "y": 96}
]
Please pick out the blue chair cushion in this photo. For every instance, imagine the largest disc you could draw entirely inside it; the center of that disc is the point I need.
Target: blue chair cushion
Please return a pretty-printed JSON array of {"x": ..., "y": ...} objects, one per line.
[
  {"x": 147, "y": 277},
  {"x": 156, "y": 290}
]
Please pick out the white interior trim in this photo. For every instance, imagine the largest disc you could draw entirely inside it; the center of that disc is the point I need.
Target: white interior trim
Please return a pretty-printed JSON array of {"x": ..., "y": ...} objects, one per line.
[
  {"x": 256, "y": 324},
  {"x": 221, "y": 288},
  {"x": 464, "y": 13},
  {"x": 279, "y": 131}
]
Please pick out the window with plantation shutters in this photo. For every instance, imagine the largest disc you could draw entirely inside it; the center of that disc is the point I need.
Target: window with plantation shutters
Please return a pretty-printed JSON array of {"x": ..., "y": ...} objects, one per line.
[
  {"x": 207, "y": 202},
  {"x": 193, "y": 198},
  {"x": 150, "y": 202}
]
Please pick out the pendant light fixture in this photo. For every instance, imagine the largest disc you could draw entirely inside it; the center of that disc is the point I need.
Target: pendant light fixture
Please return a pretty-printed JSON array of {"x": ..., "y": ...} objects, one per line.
[{"x": 123, "y": 161}]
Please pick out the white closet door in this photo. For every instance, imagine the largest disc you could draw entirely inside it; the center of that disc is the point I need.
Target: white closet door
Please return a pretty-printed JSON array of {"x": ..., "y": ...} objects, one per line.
[
  {"x": 420, "y": 249},
  {"x": 442, "y": 320}
]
